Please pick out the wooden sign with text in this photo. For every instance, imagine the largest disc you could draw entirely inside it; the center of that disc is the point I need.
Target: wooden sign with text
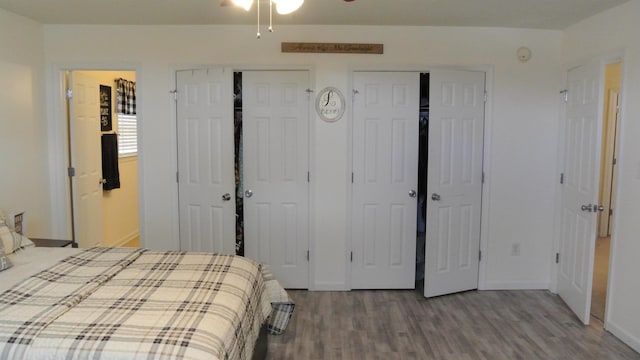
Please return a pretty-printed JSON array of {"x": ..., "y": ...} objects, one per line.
[{"x": 332, "y": 48}]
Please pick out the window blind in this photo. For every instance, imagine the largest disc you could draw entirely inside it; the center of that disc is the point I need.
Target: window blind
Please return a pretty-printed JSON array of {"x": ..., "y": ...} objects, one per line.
[{"x": 127, "y": 135}]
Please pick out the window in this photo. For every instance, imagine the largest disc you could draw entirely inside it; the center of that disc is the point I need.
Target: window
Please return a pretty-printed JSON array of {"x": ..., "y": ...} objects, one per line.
[{"x": 127, "y": 135}]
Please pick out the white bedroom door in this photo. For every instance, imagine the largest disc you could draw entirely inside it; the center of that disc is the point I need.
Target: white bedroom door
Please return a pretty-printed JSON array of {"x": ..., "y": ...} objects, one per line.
[
  {"x": 454, "y": 185},
  {"x": 580, "y": 189},
  {"x": 275, "y": 124},
  {"x": 206, "y": 185},
  {"x": 385, "y": 179},
  {"x": 86, "y": 159}
]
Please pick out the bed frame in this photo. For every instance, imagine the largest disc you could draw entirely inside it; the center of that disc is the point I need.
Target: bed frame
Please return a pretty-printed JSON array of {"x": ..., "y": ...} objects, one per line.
[{"x": 262, "y": 344}]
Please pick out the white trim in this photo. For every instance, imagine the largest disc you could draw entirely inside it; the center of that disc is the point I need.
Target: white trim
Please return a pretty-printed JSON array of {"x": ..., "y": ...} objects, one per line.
[
  {"x": 311, "y": 200},
  {"x": 611, "y": 278},
  {"x": 126, "y": 239},
  {"x": 623, "y": 335},
  {"x": 58, "y": 158},
  {"x": 486, "y": 168},
  {"x": 516, "y": 285},
  {"x": 331, "y": 286},
  {"x": 348, "y": 228},
  {"x": 173, "y": 138},
  {"x": 555, "y": 246}
]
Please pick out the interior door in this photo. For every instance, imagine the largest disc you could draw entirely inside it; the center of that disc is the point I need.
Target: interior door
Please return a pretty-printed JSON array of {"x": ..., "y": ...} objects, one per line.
[
  {"x": 86, "y": 158},
  {"x": 275, "y": 108},
  {"x": 454, "y": 181},
  {"x": 206, "y": 160},
  {"x": 385, "y": 179},
  {"x": 580, "y": 189}
]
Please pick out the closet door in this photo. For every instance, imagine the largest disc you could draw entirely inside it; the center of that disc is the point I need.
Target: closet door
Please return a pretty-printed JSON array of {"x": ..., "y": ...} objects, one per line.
[
  {"x": 275, "y": 107},
  {"x": 206, "y": 160},
  {"x": 385, "y": 179},
  {"x": 582, "y": 142},
  {"x": 454, "y": 185}
]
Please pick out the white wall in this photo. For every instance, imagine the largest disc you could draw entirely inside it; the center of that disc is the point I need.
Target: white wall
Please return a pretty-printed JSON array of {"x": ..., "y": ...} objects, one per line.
[
  {"x": 23, "y": 157},
  {"x": 608, "y": 32},
  {"x": 522, "y": 126}
]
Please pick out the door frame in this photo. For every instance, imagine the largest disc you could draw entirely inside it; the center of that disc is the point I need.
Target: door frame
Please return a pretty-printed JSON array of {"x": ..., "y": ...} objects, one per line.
[
  {"x": 486, "y": 154},
  {"x": 603, "y": 60},
  {"x": 58, "y": 144}
]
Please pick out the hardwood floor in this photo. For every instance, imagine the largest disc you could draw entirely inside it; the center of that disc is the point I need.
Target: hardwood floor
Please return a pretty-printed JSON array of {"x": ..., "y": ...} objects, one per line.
[{"x": 393, "y": 325}]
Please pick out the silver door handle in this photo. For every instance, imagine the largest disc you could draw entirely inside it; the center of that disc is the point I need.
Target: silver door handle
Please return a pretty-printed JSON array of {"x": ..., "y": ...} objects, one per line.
[
  {"x": 588, "y": 208},
  {"x": 102, "y": 181},
  {"x": 435, "y": 197},
  {"x": 248, "y": 193},
  {"x": 412, "y": 193},
  {"x": 598, "y": 208},
  {"x": 226, "y": 197}
]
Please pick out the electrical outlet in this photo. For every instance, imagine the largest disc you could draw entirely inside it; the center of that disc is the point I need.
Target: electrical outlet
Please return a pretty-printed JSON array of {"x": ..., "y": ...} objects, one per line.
[{"x": 515, "y": 249}]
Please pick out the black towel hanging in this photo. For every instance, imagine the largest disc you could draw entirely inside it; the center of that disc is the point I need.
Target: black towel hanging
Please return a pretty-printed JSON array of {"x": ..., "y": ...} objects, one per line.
[{"x": 110, "y": 172}]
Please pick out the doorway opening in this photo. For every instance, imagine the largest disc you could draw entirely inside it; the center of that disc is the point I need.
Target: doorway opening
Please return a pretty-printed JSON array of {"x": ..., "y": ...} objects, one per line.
[
  {"x": 610, "y": 116},
  {"x": 422, "y": 180},
  {"x": 102, "y": 133}
]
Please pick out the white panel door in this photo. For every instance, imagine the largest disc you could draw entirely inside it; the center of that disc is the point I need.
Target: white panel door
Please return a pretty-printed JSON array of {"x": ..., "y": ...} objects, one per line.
[
  {"x": 385, "y": 179},
  {"x": 275, "y": 107},
  {"x": 454, "y": 181},
  {"x": 206, "y": 160},
  {"x": 580, "y": 189},
  {"x": 86, "y": 158}
]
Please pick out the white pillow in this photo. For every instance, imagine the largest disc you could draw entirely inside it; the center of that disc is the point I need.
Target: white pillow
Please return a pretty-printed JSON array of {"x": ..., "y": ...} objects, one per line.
[
  {"x": 12, "y": 241},
  {"x": 10, "y": 244},
  {"x": 4, "y": 261},
  {"x": 25, "y": 242}
]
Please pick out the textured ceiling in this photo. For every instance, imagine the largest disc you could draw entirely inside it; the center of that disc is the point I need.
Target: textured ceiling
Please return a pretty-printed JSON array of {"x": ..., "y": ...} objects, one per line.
[{"x": 538, "y": 14}]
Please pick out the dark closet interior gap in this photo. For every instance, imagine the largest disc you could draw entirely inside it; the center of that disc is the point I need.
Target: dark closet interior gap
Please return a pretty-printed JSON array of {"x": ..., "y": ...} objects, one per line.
[
  {"x": 422, "y": 179},
  {"x": 237, "y": 120}
]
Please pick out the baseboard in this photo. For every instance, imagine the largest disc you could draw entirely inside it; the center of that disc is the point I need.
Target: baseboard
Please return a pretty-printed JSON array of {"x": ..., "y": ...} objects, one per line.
[
  {"x": 329, "y": 286},
  {"x": 126, "y": 239},
  {"x": 623, "y": 335},
  {"x": 515, "y": 285}
]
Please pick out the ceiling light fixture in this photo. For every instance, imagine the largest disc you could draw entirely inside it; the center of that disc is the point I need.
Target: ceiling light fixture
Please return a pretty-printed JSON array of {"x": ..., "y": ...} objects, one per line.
[{"x": 283, "y": 7}]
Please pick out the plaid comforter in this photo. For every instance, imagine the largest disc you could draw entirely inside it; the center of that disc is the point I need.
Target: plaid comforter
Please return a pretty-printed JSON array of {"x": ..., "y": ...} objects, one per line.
[{"x": 118, "y": 303}]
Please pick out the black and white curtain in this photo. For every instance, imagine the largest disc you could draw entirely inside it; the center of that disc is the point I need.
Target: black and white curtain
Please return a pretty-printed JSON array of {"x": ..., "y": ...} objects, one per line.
[{"x": 126, "y": 97}]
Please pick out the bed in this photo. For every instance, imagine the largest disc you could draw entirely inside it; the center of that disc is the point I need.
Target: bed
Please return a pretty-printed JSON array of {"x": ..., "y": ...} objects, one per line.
[{"x": 124, "y": 303}]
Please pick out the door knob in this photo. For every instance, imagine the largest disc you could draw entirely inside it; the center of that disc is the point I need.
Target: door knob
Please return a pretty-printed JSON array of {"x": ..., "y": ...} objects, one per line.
[
  {"x": 102, "y": 181},
  {"x": 598, "y": 208},
  {"x": 435, "y": 197},
  {"x": 412, "y": 193},
  {"x": 226, "y": 197},
  {"x": 248, "y": 193},
  {"x": 588, "y": 208}
]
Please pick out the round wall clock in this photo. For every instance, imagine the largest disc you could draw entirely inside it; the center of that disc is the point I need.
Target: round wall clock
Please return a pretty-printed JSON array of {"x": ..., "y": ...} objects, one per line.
[{"x": 330, "y": 104}]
